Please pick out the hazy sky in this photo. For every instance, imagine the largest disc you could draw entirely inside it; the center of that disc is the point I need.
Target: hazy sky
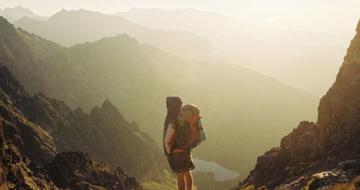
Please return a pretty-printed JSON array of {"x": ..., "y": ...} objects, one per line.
[{"x": 341, "y": 15}]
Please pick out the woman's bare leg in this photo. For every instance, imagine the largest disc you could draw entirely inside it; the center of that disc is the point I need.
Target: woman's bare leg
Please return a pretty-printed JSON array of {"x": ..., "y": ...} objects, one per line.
[
  {"x": 188, "y": 180},
  {"x": 181, "y": 180}
]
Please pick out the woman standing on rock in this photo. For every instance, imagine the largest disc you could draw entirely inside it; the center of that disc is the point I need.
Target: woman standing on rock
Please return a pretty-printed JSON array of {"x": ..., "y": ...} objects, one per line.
[{"x": 182, "y": 132}]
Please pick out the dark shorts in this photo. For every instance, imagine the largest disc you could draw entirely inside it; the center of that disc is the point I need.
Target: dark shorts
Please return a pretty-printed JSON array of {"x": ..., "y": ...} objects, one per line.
[{"x": 180, "y": 162}]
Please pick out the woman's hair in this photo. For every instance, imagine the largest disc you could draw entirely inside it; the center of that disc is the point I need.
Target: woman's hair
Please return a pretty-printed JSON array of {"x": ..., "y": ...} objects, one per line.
[{"x": 190, "y": 109}]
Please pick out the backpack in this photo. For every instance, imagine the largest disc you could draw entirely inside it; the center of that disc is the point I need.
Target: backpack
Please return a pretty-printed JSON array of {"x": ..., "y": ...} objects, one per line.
[
  {"x": 183, "y": 136},
  {"x": 201, "y": 136}
]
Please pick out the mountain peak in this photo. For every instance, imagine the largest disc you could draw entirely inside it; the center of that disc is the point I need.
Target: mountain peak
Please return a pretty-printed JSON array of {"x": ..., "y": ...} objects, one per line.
[
  {"x": 18, "y": 12},
  {"x": 124, "y": 38},
  {"x": 64, "y": 13},
  {"x": 107, "y": 108},
  {"x": 18, "y": 7},
  {"x": 63, "y": 10},
  {"x": 108, "y": 105}
]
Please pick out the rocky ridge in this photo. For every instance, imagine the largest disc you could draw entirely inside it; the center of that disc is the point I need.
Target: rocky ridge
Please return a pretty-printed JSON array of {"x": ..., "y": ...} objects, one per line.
[
  {"x": 104, "y": 133},
  {"x": 32, "y": 157},
  {"x": 325, "y": 154}
]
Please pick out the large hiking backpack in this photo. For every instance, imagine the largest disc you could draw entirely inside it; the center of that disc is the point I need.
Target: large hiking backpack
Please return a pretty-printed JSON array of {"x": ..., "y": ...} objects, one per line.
[{"x": 183, "y": 136}]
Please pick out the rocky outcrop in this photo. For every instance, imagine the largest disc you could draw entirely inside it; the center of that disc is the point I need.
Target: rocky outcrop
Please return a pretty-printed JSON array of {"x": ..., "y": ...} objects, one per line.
[
  {"x": 76, "y": 170},
  {"x": 339, "y": 109},
  {"x": 325, "y": 154},
  {"x": 33, "y": 130},
  {"x": 103, "y": 133},
  {"x": 30, "y": 138},
  {"x": 22, "y": 142}
]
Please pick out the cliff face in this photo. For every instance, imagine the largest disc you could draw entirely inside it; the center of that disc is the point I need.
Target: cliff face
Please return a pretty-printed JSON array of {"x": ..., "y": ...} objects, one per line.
[
  {"x": 340, "y": 108},
  {"x": 323, "y": 154}
]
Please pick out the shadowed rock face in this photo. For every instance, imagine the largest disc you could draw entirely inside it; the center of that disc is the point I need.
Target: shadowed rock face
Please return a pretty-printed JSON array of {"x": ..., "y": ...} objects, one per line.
[
  {"x": 29, "y": 138},
  {"x": 339, "y": 109},
  {"x": 321, "y": 154},
  {"x": 81, "y": 172},
  {"x": 104, "y": 133},
  {"x": 22, "y": 143},
  {"x": 34, "y": 129}
]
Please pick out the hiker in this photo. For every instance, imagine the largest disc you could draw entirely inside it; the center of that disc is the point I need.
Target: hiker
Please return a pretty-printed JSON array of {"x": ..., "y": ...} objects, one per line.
[{"x": 182, "y": 132}]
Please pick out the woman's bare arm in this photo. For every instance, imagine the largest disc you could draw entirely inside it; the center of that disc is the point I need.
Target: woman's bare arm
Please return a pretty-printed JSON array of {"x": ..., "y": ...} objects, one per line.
[{"x": 168, "y": 138}]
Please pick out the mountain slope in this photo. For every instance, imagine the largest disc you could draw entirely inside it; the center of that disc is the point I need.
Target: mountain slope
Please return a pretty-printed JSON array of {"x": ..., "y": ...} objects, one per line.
[
  {"x": 324, "y": 154},
  {"x": 137, "y": 78},
  {"x": 29, "y": 153},
  {"x": 91, "y": 26},
  {"x": 271, "y": 50},
  {"x": 190, "y": 20}
]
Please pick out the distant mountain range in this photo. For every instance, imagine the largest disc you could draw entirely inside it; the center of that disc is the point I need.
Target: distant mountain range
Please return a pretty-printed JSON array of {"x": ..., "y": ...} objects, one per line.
[
  {"x": 208, "y": 37},
  {"x": 137, "y": 78},
  {"x": 324, "y": 154},
  {"x": 89, "y": 26},
  {"x": 15, "y": 13},
  {"x": 296, "y": 57}
]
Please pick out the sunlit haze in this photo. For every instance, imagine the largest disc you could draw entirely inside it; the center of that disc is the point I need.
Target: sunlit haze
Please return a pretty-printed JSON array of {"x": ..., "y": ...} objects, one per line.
[
  {"x": 168, "y": 94},
  {"x": 335, "y": 15}
]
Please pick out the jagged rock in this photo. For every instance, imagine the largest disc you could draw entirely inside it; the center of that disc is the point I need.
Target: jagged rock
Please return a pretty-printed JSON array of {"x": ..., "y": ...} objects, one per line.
[
  {"x": 77, "y": 170},
  {"x": 302, "y": 144},
  {"x": 14, "y": 170},
  {"x": 104, "y": 133},
  {"x": 322, "y": 180},
  {"x": 294, "y": 154},
  {"x": 322, "y": 154},
  {"x": 26, "y": 148},
  {"x": 34, "y": 142}
]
